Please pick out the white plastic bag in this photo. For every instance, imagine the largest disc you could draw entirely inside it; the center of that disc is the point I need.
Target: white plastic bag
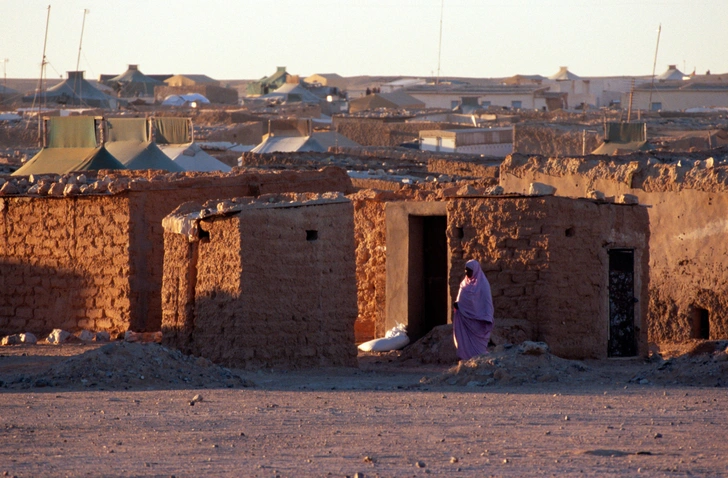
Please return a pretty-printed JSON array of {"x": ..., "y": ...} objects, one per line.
[{"x": 394, "y": 339}]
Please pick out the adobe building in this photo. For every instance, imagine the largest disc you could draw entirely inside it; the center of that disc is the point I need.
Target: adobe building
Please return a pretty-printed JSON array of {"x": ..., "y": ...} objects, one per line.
[
  {"x": 572, "y": 273},
  {"x": 686, "y": 200},
  {"x": 90, "y": 255},
  {"x": 263, "y": 282}
]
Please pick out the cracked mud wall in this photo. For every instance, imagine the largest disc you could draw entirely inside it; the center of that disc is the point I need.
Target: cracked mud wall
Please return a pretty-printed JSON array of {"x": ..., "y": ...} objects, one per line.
[
  {"x": 687, "y": 204},
  {"x": 547, "y": 261},
  {"x": 268, "y": 291},
  {"x": 65, "y": 263}
]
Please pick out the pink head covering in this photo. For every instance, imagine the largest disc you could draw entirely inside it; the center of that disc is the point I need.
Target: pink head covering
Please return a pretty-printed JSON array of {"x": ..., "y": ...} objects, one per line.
[{"x": 474, "y": 298}]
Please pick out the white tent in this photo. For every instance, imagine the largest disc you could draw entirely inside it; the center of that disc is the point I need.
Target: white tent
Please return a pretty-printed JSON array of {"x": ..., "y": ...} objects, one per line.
[
  {"x": 192, "y": 158},
  {"x": 185, "y": 100}
]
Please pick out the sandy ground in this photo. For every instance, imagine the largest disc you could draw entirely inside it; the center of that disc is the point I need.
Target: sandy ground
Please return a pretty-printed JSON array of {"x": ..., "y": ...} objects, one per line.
[{"x": 377, "y": 420}]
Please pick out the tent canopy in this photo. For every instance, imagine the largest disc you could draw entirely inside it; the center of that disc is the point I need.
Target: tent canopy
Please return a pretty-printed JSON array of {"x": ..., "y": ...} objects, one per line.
[
  {"x": 169, "y": 130},
  {"x": 185, "y": 100},
  {"x": 133, "y": 83},
  {"x": 66, "y": 160},
  {"x": 75, "y": 91},
  {"x": 623, "y": 137},
  {"x": 130, "y": 143}
]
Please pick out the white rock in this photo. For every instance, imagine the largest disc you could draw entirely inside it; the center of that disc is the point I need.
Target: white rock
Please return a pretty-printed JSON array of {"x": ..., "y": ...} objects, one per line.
[
  {"x": 58, "y": 336},
  {"x": 592, "y": 194},
  {"x": 10, "y": 340},
  {"x": 709, "y": 163},
  {"x": 28, "y": 338},
  {"x": 627, "y": 199},
  {"x": 533, "y": 348},
  {"x": 86, "y": 335},
  {"x": 81, "y": 179},
  {"x": 102, "y": 336},
  {"x": 541, "y": 189}
]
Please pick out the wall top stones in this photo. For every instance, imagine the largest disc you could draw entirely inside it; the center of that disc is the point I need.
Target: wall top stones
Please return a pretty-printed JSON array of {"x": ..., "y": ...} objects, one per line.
[
  {"x": 650, "y": 171},
  {"x": 108, "y": 182},
  {"x": 185, "y": 219}
]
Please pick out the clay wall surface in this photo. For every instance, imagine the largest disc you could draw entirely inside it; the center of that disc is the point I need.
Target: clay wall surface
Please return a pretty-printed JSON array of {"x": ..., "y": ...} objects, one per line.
[
  {"x": 375, "y": 132},
  {"x": 65, "y": 263},
  {"x": 46, "y": 234},
  {"x": 687, "y": 202},
  {"x": 546, "y": 259},
  {"x": 267, "y": 294},
  {"x": 369, "y": 236},
  {"x": 151, "y": 204},
  {"x": 557, "y": 140}
]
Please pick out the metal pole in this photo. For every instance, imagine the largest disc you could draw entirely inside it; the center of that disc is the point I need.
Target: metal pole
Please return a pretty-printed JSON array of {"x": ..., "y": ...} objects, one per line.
[
  {"x": 5, "y": 74},
  {"x": 439, "y": 44},
  {"x": 42, "y": 69},
  {"x": 654, "y": 64},
  {"x": 77, "y": 82}
]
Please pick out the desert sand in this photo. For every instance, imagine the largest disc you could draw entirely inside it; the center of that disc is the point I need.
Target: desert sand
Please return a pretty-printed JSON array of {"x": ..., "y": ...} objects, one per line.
[{"x": 593, "y": 418}]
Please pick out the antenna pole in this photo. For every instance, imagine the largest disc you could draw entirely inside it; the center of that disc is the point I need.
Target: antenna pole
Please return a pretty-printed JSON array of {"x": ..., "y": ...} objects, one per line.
[
  {"x": 42, "y": 70},
  {"x": 439, "y": 44},
  {"x": 83, "y": 25},
  {"x": 654, "y": 64}
]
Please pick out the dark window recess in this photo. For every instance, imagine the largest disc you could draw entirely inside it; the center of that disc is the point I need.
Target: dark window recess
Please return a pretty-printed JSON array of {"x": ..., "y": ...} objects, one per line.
[
  {"x": 311, "y": 235},
  {"x": 701, "y": 324},
  {"x": 204, "y": 235},
  {"x": 459, "y": 233},
  {"x": 622, "y": 332},
  {"x": 570, "y": 232}
]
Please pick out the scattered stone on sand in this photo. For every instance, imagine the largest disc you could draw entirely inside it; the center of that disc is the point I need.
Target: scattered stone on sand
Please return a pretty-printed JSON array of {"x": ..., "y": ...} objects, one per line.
[
  {"x": 437, "y": 347},
  {"x": 527, "y": 363},
  {"x": 704, "y": 364},
  {"x": 124, "y": 365},
  {"x": 58, "y": 336}
]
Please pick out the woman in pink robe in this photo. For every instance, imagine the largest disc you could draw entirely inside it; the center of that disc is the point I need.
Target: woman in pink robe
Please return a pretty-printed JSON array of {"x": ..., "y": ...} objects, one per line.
[{"x": 473, "y": 315}]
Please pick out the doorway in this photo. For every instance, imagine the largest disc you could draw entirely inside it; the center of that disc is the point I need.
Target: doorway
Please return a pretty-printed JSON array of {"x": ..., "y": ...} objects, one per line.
[
  {"x": 622, "y": 337},
  {"x": 428, "y": 281}
]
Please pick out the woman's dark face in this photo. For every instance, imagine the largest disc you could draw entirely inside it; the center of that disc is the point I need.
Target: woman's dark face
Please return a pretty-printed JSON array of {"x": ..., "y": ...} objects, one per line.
[{"x": 468, "y": 272}]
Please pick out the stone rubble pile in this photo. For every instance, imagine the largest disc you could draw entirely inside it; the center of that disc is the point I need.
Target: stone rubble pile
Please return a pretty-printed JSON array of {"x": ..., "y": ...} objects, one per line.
[
  {"x": 706, "y": 367},
  {"x": 529, "y": 362},
  {"x": 131, "y": 365}
]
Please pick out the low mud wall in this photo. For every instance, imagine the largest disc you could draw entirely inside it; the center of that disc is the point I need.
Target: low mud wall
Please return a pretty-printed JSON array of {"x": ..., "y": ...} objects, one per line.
[{"x": 687, "y": 200}]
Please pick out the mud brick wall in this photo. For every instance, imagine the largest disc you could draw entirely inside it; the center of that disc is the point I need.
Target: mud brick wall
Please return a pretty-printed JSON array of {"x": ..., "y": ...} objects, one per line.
[
  {"x": 64, "y": 263},
  {"x": 687, "y": 199},
  {"x": 547, "y": 261},
  {"x": 152, "y": 202},
  {"x": 369, "y": 235},
  {"x": 557, "y": 140},
  {"x": 376, "y": 132},
  {"x": 266, "y": 294}
]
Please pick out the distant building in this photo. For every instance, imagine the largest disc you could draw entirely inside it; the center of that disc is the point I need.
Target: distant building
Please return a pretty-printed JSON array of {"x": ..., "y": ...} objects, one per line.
[
  {"x": 484, "y": 141},
  {"x": 678, "y": 96},
  {"x": 270, "y": 83},
  {"x": 452, "y": 96},
  {"x": 202, "y": 84},
  {"x": 327, "y": 79}
]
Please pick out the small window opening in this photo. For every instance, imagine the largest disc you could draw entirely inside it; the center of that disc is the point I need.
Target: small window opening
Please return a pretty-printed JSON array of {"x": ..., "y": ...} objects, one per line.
[
  {"x": 311, "y": 235},
  {"x": 701, "y": 324},
  {"x": 204, "y": 235},
  {"x": 570, "y": 232},
  {"x": 459, "y": 234}
]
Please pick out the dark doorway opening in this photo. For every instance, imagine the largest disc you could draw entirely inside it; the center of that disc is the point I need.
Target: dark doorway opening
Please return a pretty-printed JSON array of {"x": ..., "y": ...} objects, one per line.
[
  {"x": 622, "y": 336},
  {"x": 701, "y": 324},
  {"x": 427, "y": 277}
]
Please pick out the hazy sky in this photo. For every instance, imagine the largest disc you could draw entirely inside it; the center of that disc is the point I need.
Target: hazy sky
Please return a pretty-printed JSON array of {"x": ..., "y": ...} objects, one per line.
[{"x": 245, "y": 39}]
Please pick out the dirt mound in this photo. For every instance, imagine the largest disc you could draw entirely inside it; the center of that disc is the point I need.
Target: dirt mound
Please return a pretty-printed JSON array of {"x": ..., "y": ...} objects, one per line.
[
  {"x": 435, "y": 347},
  {"x": 526, "y": 363},
  {"x": 124, "y": 365},
  {"x": 703, "y": 365}
]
